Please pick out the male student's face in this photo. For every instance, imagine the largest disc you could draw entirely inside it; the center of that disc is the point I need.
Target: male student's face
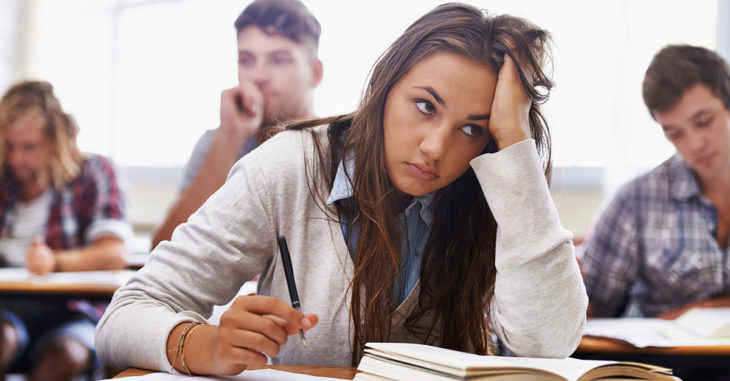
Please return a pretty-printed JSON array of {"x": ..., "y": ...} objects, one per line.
[
  {"x": 699, "y": 127},
  {"x": 27, "y": 149},
  {"x": 284, "y": 70}
]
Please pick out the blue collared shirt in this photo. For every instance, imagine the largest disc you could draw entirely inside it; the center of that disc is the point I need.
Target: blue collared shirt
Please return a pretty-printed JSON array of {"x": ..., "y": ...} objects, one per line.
[
  {"x": 415, "y": 226},
  {"x": 654, "y": 247}
]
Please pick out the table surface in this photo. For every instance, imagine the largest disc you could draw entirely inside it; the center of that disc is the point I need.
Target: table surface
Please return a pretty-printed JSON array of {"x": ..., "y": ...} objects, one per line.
[
  {"x": 346, "y": 373},
  {"x": 104, "y": 283},
  {"x": 605, "y": 345},
  {"x": 713, "y": 356}
]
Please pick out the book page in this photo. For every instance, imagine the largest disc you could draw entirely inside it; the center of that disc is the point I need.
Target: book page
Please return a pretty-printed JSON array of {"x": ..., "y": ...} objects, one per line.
[
  {"x": 462, "y": 364},
  {"x": 402, "y": 360}
]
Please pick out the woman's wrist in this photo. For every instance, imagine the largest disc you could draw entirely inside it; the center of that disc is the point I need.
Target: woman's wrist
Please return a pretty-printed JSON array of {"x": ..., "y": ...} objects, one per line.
[{"x": 199, "y": 350}]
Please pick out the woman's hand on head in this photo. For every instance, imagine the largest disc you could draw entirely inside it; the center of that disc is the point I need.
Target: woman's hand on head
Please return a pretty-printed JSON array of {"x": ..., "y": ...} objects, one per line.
[
  {"x": 255, "y": 326},
  {"x": 509, "y": 119}
]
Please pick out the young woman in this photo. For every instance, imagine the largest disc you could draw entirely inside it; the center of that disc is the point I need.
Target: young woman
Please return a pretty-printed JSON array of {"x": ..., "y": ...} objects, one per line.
[{"x": 424, "y": 216}]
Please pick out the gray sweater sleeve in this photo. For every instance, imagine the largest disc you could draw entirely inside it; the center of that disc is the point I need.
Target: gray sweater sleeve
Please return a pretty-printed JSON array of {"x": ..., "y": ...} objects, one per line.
[
  {"x": 197, "y": 157},
  {"x": 534, "y": 258},
  {"x": 183, "y": 278}
]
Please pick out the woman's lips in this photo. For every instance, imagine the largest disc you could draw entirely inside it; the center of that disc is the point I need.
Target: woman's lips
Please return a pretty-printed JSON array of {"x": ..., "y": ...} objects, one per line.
[{"x": 422, "y": 171}]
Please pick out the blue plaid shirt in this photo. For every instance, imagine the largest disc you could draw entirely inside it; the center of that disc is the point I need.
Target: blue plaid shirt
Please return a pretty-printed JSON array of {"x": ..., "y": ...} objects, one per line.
[
  {"x": 415, "y": 226},
  {"x": 654, "y": 248}
]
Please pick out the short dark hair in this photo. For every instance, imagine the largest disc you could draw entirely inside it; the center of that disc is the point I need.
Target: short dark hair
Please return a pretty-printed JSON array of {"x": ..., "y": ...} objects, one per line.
[
  {"x": 676, "y": 68},
  {"x": 289, "y": 18}
]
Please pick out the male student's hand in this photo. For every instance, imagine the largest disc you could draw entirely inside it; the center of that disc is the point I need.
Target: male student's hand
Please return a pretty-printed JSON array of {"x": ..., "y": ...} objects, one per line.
[
  {"x": 40, "y": 258},
  {"x": 508, "y": 121},
  {"x": 254, "y": 326},
  {"x": 720, "y": 301},
  {"x": 242, "y": 109}
]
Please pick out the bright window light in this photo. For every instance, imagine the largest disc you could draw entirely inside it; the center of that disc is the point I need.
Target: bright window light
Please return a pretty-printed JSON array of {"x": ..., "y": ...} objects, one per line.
[{"x": 143, "y": 78}]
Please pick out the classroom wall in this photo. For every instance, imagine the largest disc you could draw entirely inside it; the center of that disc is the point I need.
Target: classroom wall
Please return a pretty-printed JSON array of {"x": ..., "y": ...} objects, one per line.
[{"x": 578, "y": 194}]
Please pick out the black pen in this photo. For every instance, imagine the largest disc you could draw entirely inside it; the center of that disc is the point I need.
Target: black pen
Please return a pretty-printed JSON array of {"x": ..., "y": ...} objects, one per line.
[{"x": 289, "y": 273}]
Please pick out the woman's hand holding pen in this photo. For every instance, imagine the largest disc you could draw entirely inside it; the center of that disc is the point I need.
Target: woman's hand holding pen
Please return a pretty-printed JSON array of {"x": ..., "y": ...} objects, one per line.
[
  {"x": 509, "y": 122},
  {"x": 254, "y": 326}
]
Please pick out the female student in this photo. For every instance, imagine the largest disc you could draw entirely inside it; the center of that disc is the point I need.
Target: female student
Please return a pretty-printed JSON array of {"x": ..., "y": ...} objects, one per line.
[{"x": 424, "y": 216}]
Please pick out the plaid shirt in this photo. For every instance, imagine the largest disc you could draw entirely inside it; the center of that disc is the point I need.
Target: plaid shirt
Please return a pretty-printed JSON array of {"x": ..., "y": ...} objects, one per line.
[
  {"x": 654, "y": 247},
  {"x": 89, "y": 206}
]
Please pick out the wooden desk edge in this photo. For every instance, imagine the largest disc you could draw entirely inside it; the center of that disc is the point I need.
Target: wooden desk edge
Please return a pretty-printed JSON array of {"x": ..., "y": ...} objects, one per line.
[
  {"x": 591, "y": 344},
  {"x": 346, "y": 373},
  {"x": 28, "y": 287}
]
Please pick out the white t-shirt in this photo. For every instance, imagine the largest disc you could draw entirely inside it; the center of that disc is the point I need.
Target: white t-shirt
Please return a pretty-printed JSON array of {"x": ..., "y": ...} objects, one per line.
[{"x": 30, "y": 218}]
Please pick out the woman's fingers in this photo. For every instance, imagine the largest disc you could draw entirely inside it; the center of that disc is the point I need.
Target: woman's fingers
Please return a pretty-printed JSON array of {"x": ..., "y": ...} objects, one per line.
[
  {"x": 264, "y": 305},
  {"x": 509, "y": 121},
  {"x": 257, "y": 325},
  {"x": 291, "y": 330},
  {"x": 254, "y": 340}
]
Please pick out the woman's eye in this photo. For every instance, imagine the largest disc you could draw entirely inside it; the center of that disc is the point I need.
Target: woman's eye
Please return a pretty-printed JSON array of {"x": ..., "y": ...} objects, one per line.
[
  {"x": 472, "y": 130},
  {"x": 425, "y": 107}
]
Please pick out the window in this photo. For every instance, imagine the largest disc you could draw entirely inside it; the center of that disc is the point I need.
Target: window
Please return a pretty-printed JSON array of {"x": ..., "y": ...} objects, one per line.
[{"x": 143, "y": 78}]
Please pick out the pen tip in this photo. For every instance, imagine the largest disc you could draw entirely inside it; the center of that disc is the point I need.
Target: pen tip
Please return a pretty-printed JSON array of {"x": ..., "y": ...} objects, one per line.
[{"x": 304, "y": 342}]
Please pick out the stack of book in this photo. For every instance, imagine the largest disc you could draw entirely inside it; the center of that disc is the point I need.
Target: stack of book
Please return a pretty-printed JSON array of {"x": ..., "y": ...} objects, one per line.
[{"x": 400, "y": 361}]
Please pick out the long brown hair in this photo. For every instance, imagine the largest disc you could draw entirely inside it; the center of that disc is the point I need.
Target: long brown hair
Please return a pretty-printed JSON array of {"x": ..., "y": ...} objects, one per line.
[
  {"x": 36, "y": 98},
  {"x": 457, "y": 269}
]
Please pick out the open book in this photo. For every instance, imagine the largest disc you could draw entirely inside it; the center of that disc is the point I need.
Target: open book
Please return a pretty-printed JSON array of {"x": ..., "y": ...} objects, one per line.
[{"x": 400, "y": 361}]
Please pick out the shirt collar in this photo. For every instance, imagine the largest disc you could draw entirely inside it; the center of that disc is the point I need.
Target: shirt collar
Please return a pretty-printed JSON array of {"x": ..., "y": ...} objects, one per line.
[
  {"x": 342, "y": 189},
  {"x": 683, "y": 184}
]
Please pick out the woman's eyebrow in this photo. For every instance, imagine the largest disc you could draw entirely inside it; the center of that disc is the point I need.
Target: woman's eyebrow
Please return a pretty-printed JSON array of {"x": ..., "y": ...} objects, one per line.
[
  {"x": 440, "y": 101},
  {"x": 433, "y": 93}
]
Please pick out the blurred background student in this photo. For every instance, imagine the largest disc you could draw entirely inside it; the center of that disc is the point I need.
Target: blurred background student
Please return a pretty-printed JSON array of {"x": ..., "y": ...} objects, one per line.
[
  {"x": 60, "y": 210},
  {"x": 278, "y": 70},
  {"x": 661, "y": 245}
]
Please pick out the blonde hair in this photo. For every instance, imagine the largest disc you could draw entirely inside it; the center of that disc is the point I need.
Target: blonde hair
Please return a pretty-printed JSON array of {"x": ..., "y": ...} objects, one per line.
[{"x": 36, "y": 98}]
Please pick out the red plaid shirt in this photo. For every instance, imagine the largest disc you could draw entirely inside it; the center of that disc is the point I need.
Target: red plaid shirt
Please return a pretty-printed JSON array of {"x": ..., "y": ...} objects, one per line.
[{"x": 93, "y": 195}]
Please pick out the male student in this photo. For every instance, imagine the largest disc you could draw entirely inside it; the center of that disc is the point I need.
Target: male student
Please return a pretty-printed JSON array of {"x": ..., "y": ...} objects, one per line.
[
  {"x": 661, "y": 245},
  {"x": 60, "y": 210},
  {"x": 278, "y": 70}
]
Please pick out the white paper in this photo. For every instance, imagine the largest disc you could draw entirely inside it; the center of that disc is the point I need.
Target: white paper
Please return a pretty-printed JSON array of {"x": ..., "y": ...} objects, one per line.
[
  {"x": 113, "y": 278},
  {"x": 648, "y": 332},
  {"x": 707, "y": 322},
  {"x": 248, "y": 375}
]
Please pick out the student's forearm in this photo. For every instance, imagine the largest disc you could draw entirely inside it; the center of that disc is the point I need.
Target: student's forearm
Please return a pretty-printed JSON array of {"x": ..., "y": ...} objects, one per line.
[
  {"x": 221, "y": 157},
  {"x": 104, "y": 254},
  {"x": 714, "y": 302}
]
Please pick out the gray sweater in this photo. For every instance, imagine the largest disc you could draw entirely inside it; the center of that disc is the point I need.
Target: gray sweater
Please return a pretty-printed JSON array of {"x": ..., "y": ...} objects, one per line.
[{"x": 539, "y": 303}]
